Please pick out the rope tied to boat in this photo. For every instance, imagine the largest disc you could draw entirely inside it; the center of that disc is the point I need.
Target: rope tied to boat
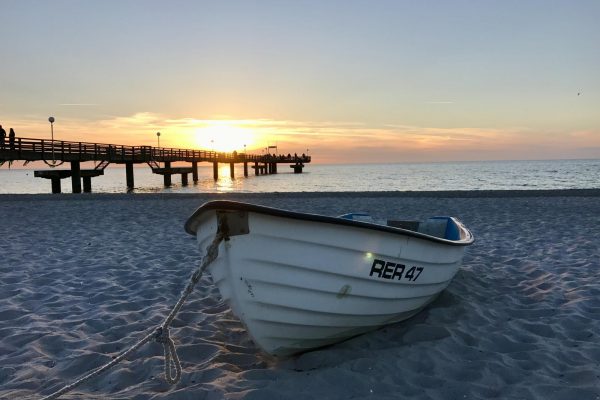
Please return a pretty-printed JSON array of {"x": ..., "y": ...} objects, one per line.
[{"x": 160, "y": 334}]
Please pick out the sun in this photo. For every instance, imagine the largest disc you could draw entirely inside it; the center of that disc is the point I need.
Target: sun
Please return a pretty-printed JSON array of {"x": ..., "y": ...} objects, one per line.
[{"x": 224, "y": 136}]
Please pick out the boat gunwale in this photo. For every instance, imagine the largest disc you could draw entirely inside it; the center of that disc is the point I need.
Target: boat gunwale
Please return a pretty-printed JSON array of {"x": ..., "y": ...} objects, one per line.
[{"x": 192, "y": 223}]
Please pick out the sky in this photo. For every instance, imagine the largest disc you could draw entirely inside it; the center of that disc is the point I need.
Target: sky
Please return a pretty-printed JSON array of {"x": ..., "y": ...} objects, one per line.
[{"x": 346, "y": 81}]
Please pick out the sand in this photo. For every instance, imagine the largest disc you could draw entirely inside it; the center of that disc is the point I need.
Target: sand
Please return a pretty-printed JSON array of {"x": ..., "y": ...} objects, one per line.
[{"x": 82, "y": 277}]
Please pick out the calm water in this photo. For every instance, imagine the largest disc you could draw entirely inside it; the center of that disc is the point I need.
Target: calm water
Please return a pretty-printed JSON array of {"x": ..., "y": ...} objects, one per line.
[{"x": 489, "y": 175}]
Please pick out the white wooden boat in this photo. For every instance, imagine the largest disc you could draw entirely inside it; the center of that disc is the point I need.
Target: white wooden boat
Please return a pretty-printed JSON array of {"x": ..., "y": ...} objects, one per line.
[{"x": 301, "y": 281}]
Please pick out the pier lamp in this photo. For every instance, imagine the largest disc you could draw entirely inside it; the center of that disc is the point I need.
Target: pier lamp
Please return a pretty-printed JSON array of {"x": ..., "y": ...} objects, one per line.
[
  {"x": 244, "y": 149},
  {"x": 51, "y": 120},
  {"x": 52, "y": 163},
  {"x": 158, "y": 138}
]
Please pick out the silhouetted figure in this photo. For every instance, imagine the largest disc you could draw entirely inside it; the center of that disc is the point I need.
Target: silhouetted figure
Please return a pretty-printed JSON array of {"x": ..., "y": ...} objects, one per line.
[
  {"x": 11, "y": 139},
  {"x": 2, "y": 137}
]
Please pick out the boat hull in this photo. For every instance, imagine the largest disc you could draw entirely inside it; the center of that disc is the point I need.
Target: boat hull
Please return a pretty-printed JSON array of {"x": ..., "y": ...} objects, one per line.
[{"x": 298, "y": 284}]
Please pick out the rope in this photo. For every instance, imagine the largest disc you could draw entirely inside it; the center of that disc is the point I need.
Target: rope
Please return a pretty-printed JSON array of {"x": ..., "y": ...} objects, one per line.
[{"x": 160, "y": 334}]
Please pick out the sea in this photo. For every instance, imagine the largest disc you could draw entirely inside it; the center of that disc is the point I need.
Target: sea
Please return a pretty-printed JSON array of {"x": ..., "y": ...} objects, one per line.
[{"x": 441, "y": 176}]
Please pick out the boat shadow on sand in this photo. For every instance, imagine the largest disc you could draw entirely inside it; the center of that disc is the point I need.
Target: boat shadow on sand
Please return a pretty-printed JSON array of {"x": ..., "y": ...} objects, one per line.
[{"x": 423, "y": 329}]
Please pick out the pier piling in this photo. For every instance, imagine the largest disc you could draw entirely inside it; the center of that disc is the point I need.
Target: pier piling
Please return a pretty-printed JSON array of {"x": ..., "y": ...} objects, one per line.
[
  {"x": 195, "y": 171},
  {"x": 55, "y": 176},
  {"x": 76, "y": 176},
  {"x": 297, "y": 168},
  {"x": 167, "y": 176},
  {"x": 232, "y": 170},
  {"x": 87, "y": 184},
  {"x": 55, "y": 185},
  {"x": 215, "y": 170},
  {"x": 129, "y": 174}
]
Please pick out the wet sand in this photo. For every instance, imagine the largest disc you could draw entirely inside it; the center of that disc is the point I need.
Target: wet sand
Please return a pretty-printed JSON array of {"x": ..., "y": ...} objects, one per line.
[{"x": 83, "y": 277}]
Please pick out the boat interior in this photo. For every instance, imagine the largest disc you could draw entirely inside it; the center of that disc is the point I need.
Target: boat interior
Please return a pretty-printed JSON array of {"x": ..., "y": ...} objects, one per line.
[{"x": 442, "y": 227}]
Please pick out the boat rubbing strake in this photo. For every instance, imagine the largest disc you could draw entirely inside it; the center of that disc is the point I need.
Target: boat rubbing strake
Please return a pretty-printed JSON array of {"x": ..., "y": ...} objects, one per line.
[{"x": 300, "y": 281}]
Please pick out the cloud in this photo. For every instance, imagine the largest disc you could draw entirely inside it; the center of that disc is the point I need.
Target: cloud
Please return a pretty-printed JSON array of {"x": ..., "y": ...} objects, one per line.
[
  {"x": 78, "y": 104},
  {"x": 331, "y": 141}
]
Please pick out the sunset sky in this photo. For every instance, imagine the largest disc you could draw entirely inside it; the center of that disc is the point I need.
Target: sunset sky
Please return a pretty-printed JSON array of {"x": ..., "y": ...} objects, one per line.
[{"x": 351, "y": 81}]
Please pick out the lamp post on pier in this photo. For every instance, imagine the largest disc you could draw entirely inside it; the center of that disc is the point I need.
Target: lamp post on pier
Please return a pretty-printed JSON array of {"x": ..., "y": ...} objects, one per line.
[
  {"x": 157, "y": 145},
  {"x": 51, "y": 120}
]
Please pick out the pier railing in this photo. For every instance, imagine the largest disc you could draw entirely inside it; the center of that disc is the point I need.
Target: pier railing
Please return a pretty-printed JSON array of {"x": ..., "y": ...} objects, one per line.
[{"x": 30, "y": 149}]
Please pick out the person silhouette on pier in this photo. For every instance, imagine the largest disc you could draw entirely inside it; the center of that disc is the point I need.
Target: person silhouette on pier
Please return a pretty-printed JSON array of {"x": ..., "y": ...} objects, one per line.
[
  {"x": 11, "y": 139},
  {"x": 2, "y": 137}
]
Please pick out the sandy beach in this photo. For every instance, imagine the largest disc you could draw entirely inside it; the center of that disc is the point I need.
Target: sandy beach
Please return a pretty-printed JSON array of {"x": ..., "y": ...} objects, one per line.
[{"x": 82, "y": 277}]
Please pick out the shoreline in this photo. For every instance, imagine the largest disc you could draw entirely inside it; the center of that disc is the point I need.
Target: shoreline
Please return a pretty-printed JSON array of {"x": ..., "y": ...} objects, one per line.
[{"x": 467, "y": 194}]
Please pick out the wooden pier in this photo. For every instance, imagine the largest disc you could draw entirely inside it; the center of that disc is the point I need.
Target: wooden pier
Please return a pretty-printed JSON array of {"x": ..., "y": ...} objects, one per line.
[{"x": 57, "y": 152}]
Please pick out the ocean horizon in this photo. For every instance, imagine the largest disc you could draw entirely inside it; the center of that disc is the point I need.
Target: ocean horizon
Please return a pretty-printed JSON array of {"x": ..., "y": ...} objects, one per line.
[{"x": 438, "y": 176}]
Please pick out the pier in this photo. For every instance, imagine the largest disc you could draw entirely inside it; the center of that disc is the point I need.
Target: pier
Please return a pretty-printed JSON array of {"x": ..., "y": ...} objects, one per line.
[{"x": 57, "y": 152}]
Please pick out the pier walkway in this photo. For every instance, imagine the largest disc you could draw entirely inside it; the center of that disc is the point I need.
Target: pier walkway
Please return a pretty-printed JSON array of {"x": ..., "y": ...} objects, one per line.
[{"x": 57, "y": 152}]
